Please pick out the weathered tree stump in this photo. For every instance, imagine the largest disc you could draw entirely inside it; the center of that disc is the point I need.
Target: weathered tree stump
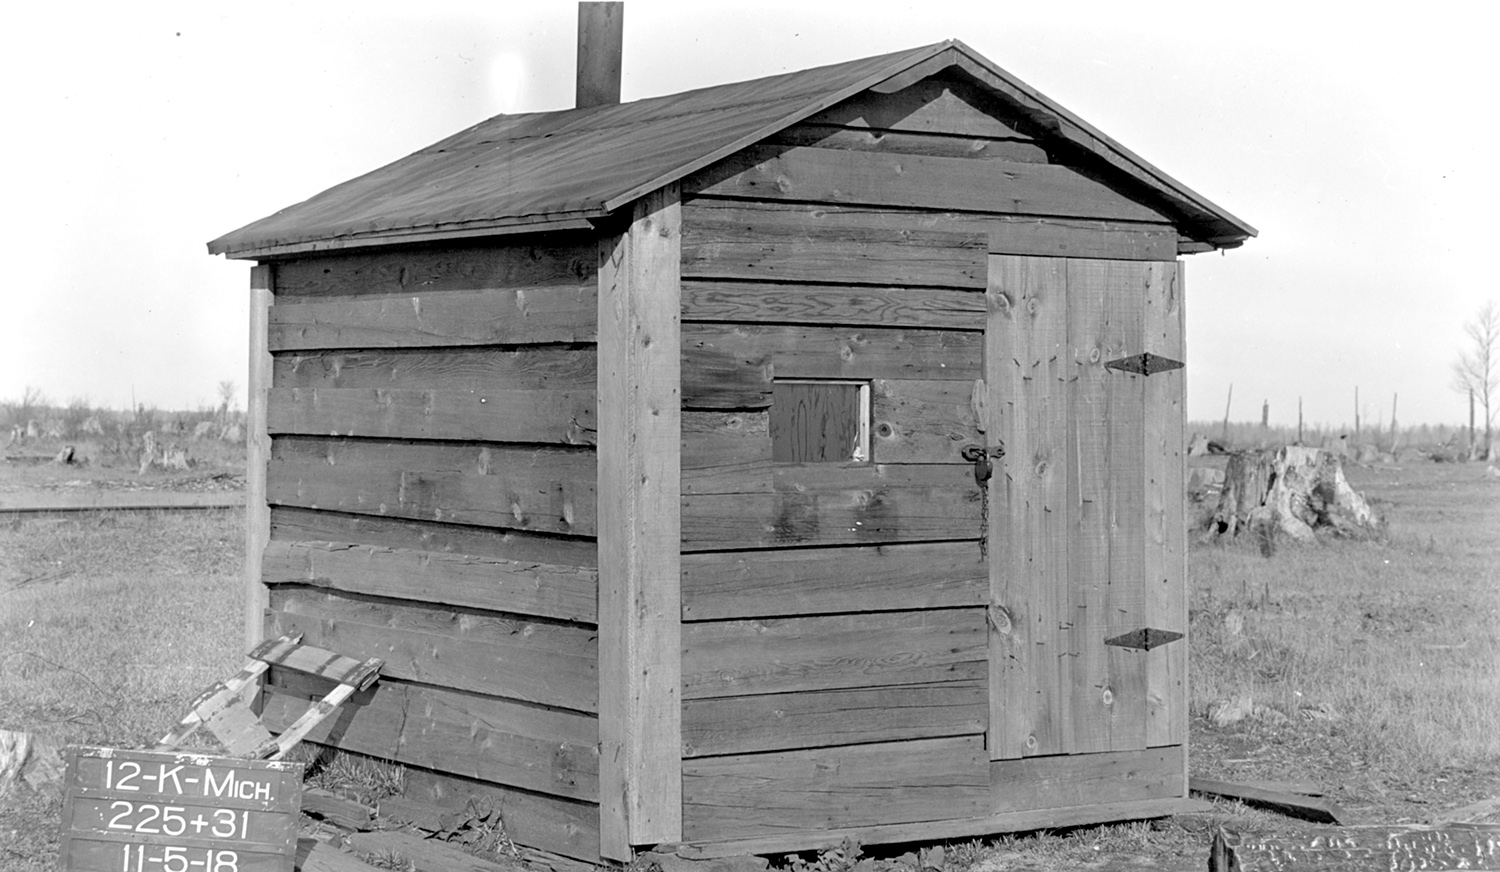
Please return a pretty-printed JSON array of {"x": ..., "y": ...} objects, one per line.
[{"x": 1292, "y": 491}]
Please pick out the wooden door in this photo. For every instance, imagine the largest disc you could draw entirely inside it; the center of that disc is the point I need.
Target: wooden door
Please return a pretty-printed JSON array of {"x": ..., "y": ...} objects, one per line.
[{"x": 1087, "y": 537}]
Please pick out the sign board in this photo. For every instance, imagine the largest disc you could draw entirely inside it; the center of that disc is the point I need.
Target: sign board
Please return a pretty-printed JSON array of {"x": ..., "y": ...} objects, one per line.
[{"x": 173, "y": 811}]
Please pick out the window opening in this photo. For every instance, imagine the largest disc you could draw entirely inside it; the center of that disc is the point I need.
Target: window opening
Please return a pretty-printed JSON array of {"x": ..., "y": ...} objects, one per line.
[{"x": 820, "y": 421}]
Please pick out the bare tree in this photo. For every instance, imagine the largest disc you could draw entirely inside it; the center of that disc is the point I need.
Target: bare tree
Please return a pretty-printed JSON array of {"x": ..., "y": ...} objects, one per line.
[
  {"x": 227, "y": 390},
  {"x": 1477, "y": 370}
]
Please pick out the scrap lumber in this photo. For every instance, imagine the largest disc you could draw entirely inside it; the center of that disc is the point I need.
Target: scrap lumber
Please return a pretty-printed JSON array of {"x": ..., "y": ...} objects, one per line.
[
  {"x": 336, "y": 809},
  {"x": 1306, "y": 788},
  {"x": 1355, "y": 849},
  {"x": 1466, "y": 813},
  {"x": 316, "y": 856},
  {"x": 426, "y": 855},
  {"x": 1317, "y": 810}
]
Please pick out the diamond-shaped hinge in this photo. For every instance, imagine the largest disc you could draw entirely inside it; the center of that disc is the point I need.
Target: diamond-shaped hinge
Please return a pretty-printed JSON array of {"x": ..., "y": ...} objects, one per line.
[
  {"x": 1144, "y": 363},
  {"x": 1144, "y": 639}
]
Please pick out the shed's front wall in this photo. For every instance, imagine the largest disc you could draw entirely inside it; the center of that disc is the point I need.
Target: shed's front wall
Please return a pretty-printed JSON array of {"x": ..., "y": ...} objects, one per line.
[
  {"x": 432, "y": 490},
  {"x": 885, "y": 642}
]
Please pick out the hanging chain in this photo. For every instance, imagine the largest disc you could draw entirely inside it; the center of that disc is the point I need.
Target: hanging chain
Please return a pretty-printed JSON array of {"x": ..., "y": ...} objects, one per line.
[{"x": 980, "y": 456}]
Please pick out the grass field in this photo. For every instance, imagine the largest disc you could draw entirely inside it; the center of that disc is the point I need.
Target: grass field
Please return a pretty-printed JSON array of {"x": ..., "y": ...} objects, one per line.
[{"x": 1369, "y": 667}]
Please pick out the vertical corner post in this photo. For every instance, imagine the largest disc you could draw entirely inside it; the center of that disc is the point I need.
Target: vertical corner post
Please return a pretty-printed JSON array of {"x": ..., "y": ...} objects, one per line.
[
  {"x": 257, "y": 452},
  {"x": 639, "y": 522}
]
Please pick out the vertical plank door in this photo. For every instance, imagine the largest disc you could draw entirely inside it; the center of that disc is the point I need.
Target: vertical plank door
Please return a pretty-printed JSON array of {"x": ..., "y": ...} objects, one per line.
[{"x": 1086, "y": 527}]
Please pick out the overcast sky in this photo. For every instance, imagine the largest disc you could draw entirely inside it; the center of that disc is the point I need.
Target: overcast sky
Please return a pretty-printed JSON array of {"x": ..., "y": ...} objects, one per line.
[{"x": 1356, "y": 140}]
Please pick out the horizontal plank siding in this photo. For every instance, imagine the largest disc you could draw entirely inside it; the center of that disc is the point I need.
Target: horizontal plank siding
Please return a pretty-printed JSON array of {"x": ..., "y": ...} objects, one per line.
[
  {"x": 504, "y": 316},
  {"x": 1081, "y": 237},
  {"x": 745, "y": 584},
  {"x": 862, "y": 785},
  {"x": 539, "y": 415},
  {"x": 920, "y": 421},
  {"x": 762, "y": 242},
  {"x": 487, "y": 544},
  {"x": 716, "y": 440},
  {"x": 543, "y": 750},
  {"x": 553, "y": 664},
  {"x": 1000, "y": 233},
  {"x": 486, "y": 485},
  {"x": 1069, "y": 780},
  {"x": 514, "y": 587},
  {"x": 551, "y": 367},
  {"x": 788, "y": 721},
  {"x": 856, "y": 504},
  {"x": 841, "y": 352},
  {"x": 782, "y": 655},
  {"x": 556, "y": 262},
  {"x": 903, "y": 142},
  {"x": 718, "y": 375},
  {"x": 841, "y": 176},
  {"x": 784, "y": 303},
  {"x": 534, "y": 820}
]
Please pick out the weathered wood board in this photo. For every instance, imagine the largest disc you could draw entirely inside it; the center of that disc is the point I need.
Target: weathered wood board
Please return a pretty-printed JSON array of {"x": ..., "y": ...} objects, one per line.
[
  {"x": 542, "y": 662},
  {"x": 802, "y": 581},
  {"x": 1165, "y": 558},
  {"x": 1027, "y": 408},
  {"x": 293, "y": 524},
  {"x": 539, "y": 415},
  {"x": 766, "y": 242},
  {"x": 889, "y": 505},
  {"x": 782, "y": 655},
  {"x": 852, "y": 138},
  {"x": 545, "y": 367},
  {"x": 485, "y": 738},
  {"x": 833, "y": 305},
  {"x": 496, "y": 584},
  {"x": 924, "y": 421},
  {"x": 789, "y": 721},
  {"x": 1066, "y": 780},
  {"x": 504, "y": 316},
  {"x": 561, "y": 262},
  {"x": 550, "y": 823},
  {"x": 496, "y": 486},
  {"x": 1107, "y": 481},
  {"x": 747, "y": 795}
]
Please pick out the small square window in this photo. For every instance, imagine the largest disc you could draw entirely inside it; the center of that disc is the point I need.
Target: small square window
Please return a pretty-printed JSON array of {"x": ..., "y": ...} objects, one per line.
[{"x": 820, "y": 421}]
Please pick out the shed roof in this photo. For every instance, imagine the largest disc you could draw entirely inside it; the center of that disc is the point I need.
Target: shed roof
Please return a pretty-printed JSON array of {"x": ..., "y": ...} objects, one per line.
[{"x": 558, "y": 170}]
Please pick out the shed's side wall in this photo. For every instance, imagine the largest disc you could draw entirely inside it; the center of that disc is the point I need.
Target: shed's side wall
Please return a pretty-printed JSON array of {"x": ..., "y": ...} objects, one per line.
[
  {"x": 834, "y": 646},
  {"x": 432, "y": 490}
]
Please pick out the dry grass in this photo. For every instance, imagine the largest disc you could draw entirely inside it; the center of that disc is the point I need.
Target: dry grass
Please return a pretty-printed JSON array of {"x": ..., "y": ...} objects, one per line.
[
  {"x": 1375, "y": 662},
  {"x": 109, "y": 624}
]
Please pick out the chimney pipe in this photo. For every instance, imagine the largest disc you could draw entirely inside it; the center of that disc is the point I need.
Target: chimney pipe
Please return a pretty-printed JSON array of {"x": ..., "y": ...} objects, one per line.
[{"x": 601, "y": 28}]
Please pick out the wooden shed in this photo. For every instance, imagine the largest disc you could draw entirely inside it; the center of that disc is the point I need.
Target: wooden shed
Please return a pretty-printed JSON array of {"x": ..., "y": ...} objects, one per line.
[{"x": 656, "y": 447}]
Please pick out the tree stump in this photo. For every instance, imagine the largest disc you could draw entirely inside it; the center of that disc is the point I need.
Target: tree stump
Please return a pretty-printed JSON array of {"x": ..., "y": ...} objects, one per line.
[{"x": 1292, "y": 491}]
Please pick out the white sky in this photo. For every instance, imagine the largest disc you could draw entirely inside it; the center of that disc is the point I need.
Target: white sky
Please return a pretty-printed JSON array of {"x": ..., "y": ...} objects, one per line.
[{"x": 1357, "y": 140}]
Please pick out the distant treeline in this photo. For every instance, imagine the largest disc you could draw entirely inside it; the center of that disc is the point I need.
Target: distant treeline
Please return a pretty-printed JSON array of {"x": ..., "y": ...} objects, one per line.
[
  {"x": 1425, "y": 437},
  {"x": 33, "y": 418}
]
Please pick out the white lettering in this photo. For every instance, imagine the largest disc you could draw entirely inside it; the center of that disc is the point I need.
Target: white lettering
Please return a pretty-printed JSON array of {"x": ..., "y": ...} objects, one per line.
[
  {"x": 166, "y": 773},
  {"x": 218, "y": 788}
]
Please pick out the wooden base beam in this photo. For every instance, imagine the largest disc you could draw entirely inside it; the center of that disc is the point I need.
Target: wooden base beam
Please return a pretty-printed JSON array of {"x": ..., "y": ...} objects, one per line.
[{"x": 930, "y": 831}]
